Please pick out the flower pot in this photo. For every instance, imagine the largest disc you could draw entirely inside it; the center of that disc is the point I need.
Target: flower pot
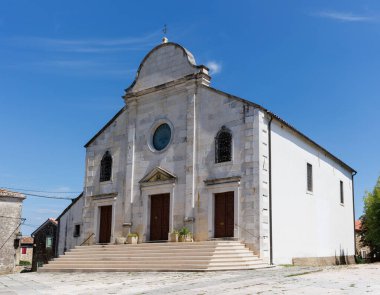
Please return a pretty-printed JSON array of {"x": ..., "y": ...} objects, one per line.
[
  {"x": 173, "y": 237},
  {"x": 187, "y": 238},
  {"x": 121, "y": 240},
  {"x": 132, "y": 240}
]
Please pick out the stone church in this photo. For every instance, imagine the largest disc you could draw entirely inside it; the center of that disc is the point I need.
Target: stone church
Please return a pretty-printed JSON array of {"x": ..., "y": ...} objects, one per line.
[{"x": 181, "y": 153}]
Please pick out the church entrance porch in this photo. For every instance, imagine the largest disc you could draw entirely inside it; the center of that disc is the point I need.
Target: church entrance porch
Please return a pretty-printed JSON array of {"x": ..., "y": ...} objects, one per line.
[
  {"x": 224, "y": 215},
  {"x": 159, "y": 217},
  {"x": 105, "y": 224}
]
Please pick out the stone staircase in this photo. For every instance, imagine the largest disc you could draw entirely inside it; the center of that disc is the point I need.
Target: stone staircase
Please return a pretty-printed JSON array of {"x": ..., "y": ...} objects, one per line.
[{"x": 196, "y": 256}]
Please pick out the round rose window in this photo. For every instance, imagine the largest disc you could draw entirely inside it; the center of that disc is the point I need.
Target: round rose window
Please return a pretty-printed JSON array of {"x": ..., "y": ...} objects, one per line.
[{"x": 161, "y": 137}]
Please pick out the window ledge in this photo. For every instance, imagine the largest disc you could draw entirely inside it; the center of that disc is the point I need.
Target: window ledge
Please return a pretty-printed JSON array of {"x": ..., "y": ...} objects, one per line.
[
  {"x": 223, "y": 164},
  {"x": 106, "y": 182}
]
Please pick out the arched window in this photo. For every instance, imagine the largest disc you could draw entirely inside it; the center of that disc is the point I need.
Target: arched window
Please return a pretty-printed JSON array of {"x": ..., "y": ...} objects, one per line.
[
  {"x": 106, "y": 167},
  {"x": 223, "y": 146}
]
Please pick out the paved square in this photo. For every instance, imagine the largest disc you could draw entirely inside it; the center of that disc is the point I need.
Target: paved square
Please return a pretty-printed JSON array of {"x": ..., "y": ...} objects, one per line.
[{"x": 353, "y": 279}]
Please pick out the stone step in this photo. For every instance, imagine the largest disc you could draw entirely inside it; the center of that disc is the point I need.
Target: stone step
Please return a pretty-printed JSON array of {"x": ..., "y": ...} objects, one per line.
[
  {"x": 138, "y": 248},
  {"x": 177, "y": 250},
  {"x": 177, "y": 258},
  {"x": 152, "y": 266},
  {"x": 157, "y": 260},
  {"x": 152, "y": 269},
  {"x": 165, "y": 244},
  {"x": 195, "y": 256},
  {"x": 156, "y": 254},
  {"x": 155, "y": 265}
]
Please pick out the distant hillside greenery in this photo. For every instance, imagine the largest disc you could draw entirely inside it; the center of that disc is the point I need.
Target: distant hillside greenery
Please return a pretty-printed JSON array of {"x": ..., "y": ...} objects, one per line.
[{"x": 370, "y": 234}]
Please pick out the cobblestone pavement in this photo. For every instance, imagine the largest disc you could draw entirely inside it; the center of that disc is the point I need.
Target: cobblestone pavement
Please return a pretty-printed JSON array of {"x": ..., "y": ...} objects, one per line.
[{"x": 354, "y": 279}]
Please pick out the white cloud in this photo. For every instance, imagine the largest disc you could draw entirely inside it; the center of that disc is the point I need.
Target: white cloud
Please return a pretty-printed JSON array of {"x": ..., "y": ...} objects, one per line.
[
  {"x": 345, "y": 16},
  {"x": 90, "y": 45},
  {"x": 78, "y": 67},
  {"x": 215, "y": 67}
]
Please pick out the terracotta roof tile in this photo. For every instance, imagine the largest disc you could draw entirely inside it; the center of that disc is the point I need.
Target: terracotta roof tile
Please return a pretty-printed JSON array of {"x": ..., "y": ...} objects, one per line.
[
  {"x": 7, "y": 193},
  {"x": 358, "y": 225},
  {"x": 27, "y": 240}
]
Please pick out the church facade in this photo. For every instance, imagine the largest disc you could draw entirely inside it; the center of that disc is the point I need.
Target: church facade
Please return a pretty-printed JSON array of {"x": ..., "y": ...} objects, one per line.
[{"x": 181, "y": 153}]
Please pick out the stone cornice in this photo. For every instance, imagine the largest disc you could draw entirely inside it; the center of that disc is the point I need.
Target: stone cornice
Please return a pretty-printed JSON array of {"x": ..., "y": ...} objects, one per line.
[{"x": 215, "y": 181}]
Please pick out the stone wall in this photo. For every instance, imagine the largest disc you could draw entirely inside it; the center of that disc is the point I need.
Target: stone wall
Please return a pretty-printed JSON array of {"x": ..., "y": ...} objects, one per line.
[
  {"x": 28, "y": 256},
  {"x": 41, "y": 253},
  {"x": 10, "y": 219}
]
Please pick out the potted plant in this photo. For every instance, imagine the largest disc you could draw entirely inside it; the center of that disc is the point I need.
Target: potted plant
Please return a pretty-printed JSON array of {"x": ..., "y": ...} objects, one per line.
[
  {"x": 185, "y": 235},
  {"x": 173, "y": 236},
  {"x": 120, "y": 240},
  {"x": 132, "y": 238}
]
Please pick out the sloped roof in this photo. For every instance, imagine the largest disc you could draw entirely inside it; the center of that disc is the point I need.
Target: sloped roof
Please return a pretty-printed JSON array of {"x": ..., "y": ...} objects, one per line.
[
  {"x": 68, "y": 207},
  {"x": 105, "y": 126},
  {"x": 358, "y": 225},
  {"x": 286, "y": 124},
  {"x": 27, "y": 240},
  {"x": 8, "y": 193},
  {"x": 49, "y": 220}
]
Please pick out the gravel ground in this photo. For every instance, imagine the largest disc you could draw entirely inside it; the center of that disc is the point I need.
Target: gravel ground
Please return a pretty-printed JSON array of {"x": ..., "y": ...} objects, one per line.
[{"x": 353, "y": 279}]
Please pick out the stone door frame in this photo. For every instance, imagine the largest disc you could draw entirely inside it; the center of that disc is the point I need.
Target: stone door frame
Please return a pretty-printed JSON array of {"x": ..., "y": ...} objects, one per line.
[
  {"x": 160, "y": 199},
  {"x": 110, "y": 201},
  {"x": 227, "y": 229},
  {"x": 146, "y": 193},
  {"x": 222, "y": 188}
]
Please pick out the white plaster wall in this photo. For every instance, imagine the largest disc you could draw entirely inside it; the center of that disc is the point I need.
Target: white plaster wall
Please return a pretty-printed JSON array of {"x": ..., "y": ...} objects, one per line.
[
  {"x": 308, "y": 224},
  {"x": 67, "y": 222}
]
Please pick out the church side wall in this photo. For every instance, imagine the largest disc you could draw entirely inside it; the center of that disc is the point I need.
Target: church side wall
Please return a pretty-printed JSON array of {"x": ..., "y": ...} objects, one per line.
[
  {"x": 243, "y": 120},
  {"x": 66, "y": 224},
  {"x": 308, "y": 227}
]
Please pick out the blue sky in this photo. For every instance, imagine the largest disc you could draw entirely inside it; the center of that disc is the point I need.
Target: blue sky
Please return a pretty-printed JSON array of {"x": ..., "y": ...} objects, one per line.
[{"x": 64, "y": 66}]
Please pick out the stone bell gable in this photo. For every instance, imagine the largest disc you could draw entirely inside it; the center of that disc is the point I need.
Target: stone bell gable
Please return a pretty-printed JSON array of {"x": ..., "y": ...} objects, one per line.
[{"x": 165, "y": 63}]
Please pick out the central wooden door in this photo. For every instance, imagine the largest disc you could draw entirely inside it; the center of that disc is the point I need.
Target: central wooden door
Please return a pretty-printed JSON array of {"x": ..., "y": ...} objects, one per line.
[
  {"x": 159, "y": 217},
  {"x": 105, "y": 224},
  {"x": 224, "y": 215}
]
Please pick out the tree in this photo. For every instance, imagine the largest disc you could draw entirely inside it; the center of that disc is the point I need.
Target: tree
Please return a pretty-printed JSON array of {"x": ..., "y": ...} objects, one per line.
[{"x": 370, "y": 234}]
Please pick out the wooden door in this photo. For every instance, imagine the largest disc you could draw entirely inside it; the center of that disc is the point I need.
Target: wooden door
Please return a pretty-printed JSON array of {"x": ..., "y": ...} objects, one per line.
[
  {"x": 224, "y": 215},
  {"x": 159, "y": 217},
  {"x": 105, "y": 224}
]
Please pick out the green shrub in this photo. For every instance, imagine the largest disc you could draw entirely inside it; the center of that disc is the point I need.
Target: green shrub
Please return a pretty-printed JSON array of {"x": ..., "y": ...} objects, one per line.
[
  {"x": 24, "y": 262},
  {"x": 184, "y": 231}
]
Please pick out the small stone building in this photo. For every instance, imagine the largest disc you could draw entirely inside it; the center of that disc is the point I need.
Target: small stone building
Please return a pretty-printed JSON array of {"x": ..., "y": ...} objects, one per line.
[
  {"x": 361, "y": 250},
  {"x": 70, "y": 226},
  {"x": 26, "y": 249},
  {"x": 10, "y": 222},
  {"x": 44, "y": 243}
]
